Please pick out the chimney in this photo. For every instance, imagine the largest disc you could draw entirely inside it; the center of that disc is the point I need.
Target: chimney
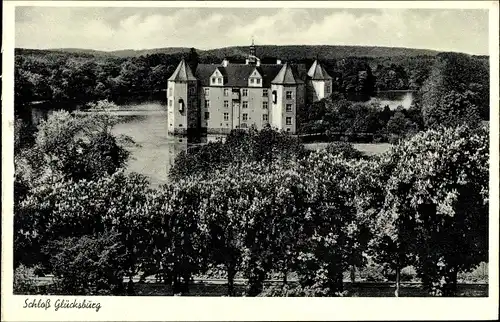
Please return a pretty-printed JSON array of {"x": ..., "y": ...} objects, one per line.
[
  {"x": 278, "y": 61},
  {"x": 246, "y": 61},
  {"x": 258, "y": 62},
  {"x": 225, "y": 62}
]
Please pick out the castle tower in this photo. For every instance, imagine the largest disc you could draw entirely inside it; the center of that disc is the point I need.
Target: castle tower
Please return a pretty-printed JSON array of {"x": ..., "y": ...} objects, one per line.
[
  {"x": 252, "y": 58},
  {"x": 183, "y": 112},
  {"x": 319, "y": 83},
  {"x": 287, "y": 95},
  {"x": 252, "y": 48}
]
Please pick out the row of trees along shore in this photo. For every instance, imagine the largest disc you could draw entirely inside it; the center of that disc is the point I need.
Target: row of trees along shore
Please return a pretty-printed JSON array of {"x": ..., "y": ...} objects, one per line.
[{"x": 263, "y": 205}]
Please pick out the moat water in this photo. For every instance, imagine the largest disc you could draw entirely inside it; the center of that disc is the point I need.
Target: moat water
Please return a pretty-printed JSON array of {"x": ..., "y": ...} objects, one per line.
[{"x": 154, "y": 151}]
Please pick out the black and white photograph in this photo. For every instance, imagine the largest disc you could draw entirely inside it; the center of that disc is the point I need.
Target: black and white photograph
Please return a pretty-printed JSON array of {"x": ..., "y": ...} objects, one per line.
[{"x": 249, "y": 150}]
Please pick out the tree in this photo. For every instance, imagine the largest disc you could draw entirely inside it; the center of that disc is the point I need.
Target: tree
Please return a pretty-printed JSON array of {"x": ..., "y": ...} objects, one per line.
[
  {"x": 81, "y": 147},
  {"x": 193, "y": 59},
  {"x": 89, "y": 265},
  {"x": 454, "y": 109},
  {"x": 436, "y": 205},
  {"x": 399, "y": 125},
  {"x": 456, "y": 91}
]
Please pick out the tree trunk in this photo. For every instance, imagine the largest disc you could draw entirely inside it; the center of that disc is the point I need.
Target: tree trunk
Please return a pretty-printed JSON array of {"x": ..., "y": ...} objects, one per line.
[
  {"x": 256, "y": 283},
  {"x": 231, "y": 272},
  {"x": 285, "y": 277},
  {"x": 185, "y": 285},
  {"x": 450, "y": 288},
  {"x": 177, "y": 284},
  {"x": 353, "y": 274},
  {"x": 130, "y": 286},
  {"x": 398, "y": 282}
]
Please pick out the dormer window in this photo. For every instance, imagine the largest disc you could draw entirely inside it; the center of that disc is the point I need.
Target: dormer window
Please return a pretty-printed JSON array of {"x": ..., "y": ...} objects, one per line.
[
  {"x": 255, "y": 78},
  {"x": 216, "y": 79}
]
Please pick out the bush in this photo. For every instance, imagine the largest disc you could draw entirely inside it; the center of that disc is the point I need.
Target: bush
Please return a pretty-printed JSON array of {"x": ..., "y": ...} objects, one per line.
[
  {"x": 24, "y": 280},
  {"x": 88, "y": 265},
  {"x": 372, "y": 273},
  {"x": 297, "y": 291}
]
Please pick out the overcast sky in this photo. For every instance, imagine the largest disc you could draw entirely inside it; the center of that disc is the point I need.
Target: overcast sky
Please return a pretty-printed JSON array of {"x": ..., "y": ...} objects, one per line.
[{"x": 204, "y": 28}]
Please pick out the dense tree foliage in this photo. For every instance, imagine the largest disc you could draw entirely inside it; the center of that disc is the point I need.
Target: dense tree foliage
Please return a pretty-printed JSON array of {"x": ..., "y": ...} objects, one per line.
[
  {"x": 456, "y": 91},
  {"x": 239, "y": 147},
  {"x": 341, "y": 119}
]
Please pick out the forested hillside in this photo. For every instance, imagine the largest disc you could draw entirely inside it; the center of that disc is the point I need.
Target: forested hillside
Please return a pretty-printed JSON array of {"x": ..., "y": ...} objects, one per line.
[{"x": 285, "y": 52}]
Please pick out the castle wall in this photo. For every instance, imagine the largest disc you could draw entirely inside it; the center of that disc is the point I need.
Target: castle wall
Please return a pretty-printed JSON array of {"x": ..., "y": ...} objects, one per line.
[
  {"x": 243, "y": 113},
  {"x": 277, "y": 107},
  {"x": 182, "y": 93}
]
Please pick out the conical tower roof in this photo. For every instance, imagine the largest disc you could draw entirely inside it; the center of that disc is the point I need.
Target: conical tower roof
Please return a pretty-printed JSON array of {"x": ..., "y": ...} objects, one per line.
[
  {"x": 317, "y": 72},
  {"x": 182, "y": 73},
  {"x": 286, "y": 76}
]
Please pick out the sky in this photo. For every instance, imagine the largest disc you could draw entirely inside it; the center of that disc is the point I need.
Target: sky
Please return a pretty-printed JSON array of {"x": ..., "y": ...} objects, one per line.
[{"x": 460, "y": 30}]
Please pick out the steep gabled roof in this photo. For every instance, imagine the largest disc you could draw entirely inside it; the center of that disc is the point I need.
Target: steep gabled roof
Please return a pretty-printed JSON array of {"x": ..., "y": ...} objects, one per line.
[
  {"x": 317, "y": 72},
  {"x": 182, "y": 73},
  {"x": 236, "y": 75},
  {"x": 286, "y": 76}
]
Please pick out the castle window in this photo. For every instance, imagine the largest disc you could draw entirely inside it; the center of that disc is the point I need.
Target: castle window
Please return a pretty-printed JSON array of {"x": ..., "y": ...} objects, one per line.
[
  {"x": 275, "y": 97},
  {"x": 288, "y": 129},
  {"x": 264, "y": 105},
  {"x": 207, "y": 115},
  {"x": 226, "y": 116},
  {"x": 245, "y": 104},
  {"x": 170, "y": 91},
  {"x": 288, "y": 95},
  {"x": 181, "y": 105},
  {"x": 207, "y": 104},
  {"x": 170, "y": 103},
  {"x": 226, "y": 92},
  {"x": 226, "y": 104},
  {"x": 288, "y": 107},
  {"x": 327, "y": 88},
  {"x": 191, "y": 90},
  {"x": 265, "y": 117},
  {"x": 288, "y": 120},
  {"x": 264, "y": 93},
  {"x": 207, "y": 91},
  {"x": 180, "y": 125},
  {"x": 245, "y": 117},
  {"x": 245, "y": 92}
]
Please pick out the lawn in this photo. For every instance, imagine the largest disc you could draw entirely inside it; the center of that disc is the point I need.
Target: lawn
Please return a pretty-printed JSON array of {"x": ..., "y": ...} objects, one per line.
[{"x": 367, "y": 148}]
